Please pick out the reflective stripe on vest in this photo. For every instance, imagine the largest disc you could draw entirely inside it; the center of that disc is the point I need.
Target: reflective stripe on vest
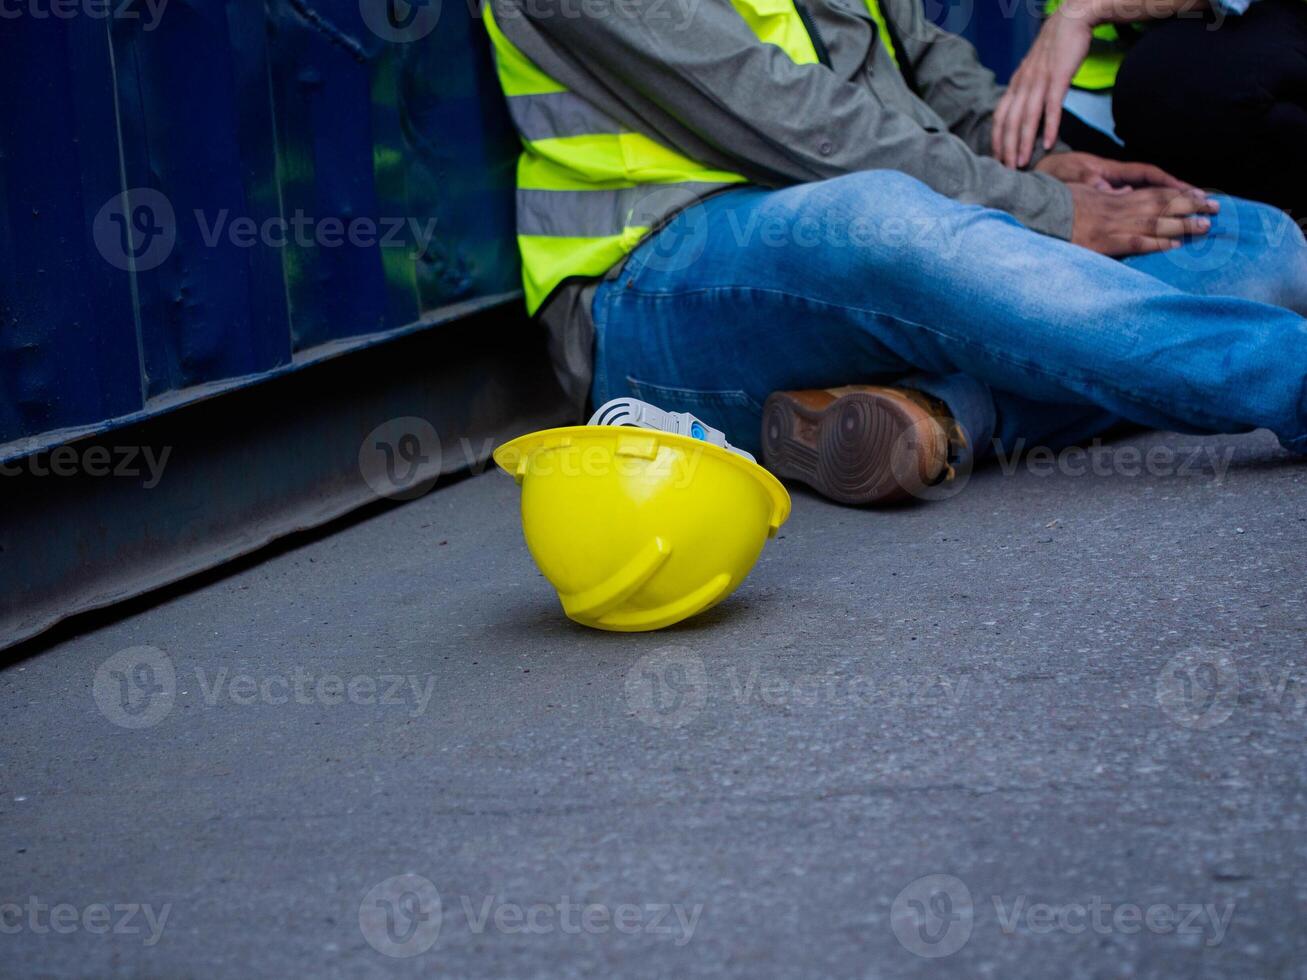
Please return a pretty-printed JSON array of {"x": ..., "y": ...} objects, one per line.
[{"x": 589, "y": 189}]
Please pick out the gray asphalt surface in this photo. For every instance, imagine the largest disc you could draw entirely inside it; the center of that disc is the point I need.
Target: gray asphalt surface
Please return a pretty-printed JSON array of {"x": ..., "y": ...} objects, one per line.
[{"x": 1053, "y": 726}]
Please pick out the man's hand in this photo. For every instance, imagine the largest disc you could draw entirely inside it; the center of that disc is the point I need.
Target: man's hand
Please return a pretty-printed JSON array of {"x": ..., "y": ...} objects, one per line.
[
  {"x": 1107, "y": 175},
  {"x": 1039, "y": 86},
  {"x": 1134, "y": 222}
]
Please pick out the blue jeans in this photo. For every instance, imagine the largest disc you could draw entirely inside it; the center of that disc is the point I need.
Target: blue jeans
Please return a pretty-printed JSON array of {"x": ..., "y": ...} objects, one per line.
[{"x": 875, "y": 278}]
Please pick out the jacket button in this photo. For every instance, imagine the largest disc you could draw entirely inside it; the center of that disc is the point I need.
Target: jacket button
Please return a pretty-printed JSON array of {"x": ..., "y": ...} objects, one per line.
[{"x": 826, "y": 148}]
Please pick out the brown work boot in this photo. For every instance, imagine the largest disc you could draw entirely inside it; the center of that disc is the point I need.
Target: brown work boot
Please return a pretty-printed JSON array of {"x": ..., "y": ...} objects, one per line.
[{"x": 861, "y": 444}]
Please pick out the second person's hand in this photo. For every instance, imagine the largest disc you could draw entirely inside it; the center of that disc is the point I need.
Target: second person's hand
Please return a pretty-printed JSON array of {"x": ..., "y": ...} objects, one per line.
[{"x": 1039, "y": 85}]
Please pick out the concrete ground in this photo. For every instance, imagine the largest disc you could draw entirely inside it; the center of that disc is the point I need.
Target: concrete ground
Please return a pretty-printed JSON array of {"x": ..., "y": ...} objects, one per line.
[{"x": 1053, "y": 726}]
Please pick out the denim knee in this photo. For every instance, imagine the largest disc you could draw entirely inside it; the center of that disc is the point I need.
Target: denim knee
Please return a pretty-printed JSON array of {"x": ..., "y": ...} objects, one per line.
[
  {"x": 1282, "y": 264},
  {"x": 881, "y": 216}
]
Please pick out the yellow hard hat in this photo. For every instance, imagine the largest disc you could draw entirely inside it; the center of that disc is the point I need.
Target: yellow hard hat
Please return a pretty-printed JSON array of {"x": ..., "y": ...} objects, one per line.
[{"x": 639, "y": 529}]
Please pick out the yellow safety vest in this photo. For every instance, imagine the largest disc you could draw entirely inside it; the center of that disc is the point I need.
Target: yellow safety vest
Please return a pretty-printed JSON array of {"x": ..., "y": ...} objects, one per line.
[{"x": 588, "y": 188}]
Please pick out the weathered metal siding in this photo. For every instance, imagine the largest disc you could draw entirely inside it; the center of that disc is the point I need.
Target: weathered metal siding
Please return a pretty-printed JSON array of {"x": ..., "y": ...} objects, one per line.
[{"x": 233, "y": 110}]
